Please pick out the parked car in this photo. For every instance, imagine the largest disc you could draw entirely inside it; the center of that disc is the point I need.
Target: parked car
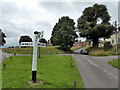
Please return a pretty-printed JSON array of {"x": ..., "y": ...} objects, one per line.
[{"x": 84, "y": 51}]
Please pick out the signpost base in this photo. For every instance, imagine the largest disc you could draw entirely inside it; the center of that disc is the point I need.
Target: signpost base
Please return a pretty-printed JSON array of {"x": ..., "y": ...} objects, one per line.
[{"x": 34, "y": 76}]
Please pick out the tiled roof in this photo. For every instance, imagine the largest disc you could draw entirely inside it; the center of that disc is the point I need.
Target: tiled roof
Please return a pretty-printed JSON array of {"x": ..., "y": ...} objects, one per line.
[{"x": 81, "y": 42}]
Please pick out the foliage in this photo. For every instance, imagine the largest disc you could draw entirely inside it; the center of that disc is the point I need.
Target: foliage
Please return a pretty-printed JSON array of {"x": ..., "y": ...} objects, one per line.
[
  {"x": 101, "y": 51},
  {"x": 2, "y": 36},
  {"x": 63, "y": 33},
  {"x": 25, "y": 39},
  {"x": 94, "y": 23},
  {"x": 108, "y": 46},
  {"x": 43, "y": 40},
  {"x": 54, "y": 70}
]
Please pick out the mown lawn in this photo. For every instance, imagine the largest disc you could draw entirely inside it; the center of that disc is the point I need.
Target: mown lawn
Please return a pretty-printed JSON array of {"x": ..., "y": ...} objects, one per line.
[
  {"x": 115, "y": 64},
  {"x": 54, "y": 70},
  {"x": 43, "y": 50}
]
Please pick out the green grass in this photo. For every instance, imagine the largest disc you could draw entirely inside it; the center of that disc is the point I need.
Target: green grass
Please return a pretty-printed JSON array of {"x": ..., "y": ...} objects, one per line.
[
  {"x": 0, "y": 76},
  {"x": 115, "y": 64},
  {"x": 100, "y": 51},
  {"x": 43, "y": 50},
  {"x": 54, "y": 70}
]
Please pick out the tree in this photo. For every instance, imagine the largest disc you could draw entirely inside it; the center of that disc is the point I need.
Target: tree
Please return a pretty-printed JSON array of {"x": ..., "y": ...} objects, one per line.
[
  {"x": 2, "y": 36},
  {"x": 42, "y": 40},
  {"x": 25, "y": 39},
  {"x": 63, "y": 33},
  {"x": 94, "y": 23}
]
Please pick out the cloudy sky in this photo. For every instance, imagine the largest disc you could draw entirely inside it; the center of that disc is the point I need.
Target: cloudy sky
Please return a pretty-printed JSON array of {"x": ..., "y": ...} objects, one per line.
[{"x": 23, "y": 17}]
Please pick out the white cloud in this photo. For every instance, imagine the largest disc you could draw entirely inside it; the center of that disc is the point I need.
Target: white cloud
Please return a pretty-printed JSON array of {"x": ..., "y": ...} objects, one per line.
[{"x": 23, "y": 17}]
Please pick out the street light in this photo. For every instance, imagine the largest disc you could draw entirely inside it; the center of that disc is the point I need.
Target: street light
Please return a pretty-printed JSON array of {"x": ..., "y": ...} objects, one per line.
[{"x": 37, "y": 35}]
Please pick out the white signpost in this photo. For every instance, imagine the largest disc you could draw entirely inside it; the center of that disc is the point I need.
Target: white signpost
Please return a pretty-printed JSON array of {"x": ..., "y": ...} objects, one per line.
[{"x": 37, "y": 35}]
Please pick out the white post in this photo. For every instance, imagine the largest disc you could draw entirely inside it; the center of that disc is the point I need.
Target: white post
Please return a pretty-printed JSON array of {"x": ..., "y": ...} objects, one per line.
[{"x": 34, "y": 62}]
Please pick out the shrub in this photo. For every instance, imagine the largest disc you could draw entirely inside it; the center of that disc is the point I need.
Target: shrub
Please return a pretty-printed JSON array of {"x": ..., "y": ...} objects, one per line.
[{"x": 108, "y": 46}]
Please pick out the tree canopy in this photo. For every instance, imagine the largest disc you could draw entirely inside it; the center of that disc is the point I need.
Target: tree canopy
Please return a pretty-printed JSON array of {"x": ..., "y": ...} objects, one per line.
[
  {"x": 2, "y": 36},
  {"x": 25, "y": 39},
  {"x": 94, "y": 23},
  {"x": 63, "y": 33},
  {"x": 43, "y": 40}
]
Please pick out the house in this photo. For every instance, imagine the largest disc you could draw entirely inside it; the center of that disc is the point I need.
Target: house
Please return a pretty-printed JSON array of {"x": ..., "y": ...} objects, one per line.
[
  {"x": 113, "y": 40},
  {"x": 0, "y": 37},
  {"x": 82, "y": 44}
]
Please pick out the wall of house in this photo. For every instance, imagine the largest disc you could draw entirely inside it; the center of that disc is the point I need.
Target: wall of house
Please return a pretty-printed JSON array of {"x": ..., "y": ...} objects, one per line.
[{"x": 112, "y": 39}]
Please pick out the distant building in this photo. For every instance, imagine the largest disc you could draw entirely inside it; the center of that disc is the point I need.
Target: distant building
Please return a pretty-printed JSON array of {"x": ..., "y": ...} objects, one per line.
[
  {"x": 82, "y": 44},
  {"x": 112, "y": 39},
  {"x": 0, "y": 37},
  {"x": 30, "y": 44},
  {"x": 49, "y": 43}
]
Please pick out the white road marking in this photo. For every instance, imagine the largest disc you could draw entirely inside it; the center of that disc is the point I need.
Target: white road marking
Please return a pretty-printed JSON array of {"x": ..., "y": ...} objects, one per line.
[
  {"x": 108, "y": 72},
  {"x": 92, "y": 63},
  {"x": 104, "y": 70}
]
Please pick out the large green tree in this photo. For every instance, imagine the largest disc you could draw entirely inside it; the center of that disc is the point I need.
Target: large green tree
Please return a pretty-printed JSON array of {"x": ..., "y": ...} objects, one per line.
[
  {"x": 63, "y": 33},
  {"x": 25, "y": 39},
  {"x": 2, "y": 36},
  {"x": 94, "y": 23}
]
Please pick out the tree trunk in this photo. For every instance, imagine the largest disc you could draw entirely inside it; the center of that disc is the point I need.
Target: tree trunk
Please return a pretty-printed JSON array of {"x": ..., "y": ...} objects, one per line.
[{"x": 95, "y": 43}]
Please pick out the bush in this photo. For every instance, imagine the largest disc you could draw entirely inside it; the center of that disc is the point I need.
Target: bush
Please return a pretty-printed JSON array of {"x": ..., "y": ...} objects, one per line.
[
  {"x": 108, "y": 46},
  {"x": 64, "y": 48},
  {"x": 101, "y": 52}
]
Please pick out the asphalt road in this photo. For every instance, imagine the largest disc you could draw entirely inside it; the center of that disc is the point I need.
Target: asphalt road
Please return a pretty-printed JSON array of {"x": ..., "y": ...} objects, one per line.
[
  {"x": 3, "y": 56},
  {"x": 95, "y": 71}
]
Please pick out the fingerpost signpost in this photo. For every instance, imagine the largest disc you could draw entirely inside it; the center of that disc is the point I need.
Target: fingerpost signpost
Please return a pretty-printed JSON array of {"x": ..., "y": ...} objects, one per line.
[{"x": 37, "y": 36}]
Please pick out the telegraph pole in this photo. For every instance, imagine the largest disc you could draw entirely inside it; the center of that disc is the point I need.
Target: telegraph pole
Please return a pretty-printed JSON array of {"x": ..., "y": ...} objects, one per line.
[
  {"x": 39, "y": 52},
  {"x": 116, "y": 35}
]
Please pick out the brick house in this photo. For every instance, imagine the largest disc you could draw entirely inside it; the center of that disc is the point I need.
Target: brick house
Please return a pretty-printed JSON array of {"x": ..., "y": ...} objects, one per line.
[{"x": 82, "y": 44}]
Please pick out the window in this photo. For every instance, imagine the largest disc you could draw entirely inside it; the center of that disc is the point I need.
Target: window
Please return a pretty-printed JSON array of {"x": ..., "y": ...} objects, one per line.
[
  {"x": 118, "y": 40},
  {"x": 112, "y": 41}
]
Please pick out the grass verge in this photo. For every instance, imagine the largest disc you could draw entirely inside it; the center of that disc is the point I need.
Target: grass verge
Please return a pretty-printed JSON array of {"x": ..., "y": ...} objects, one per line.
[
  {"x": 43, "y": 50},
  {"x": 75, "y": 48},
  {"x": 54, "y": 70},
  {"x": 100, "y": 51},
  {"x": 115, "y": 63},
  {"x": 0, "y": 76}
]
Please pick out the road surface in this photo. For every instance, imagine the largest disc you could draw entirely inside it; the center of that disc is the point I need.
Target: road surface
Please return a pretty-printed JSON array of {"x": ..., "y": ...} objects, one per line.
[
  {"x": 3, "y": 56},
  {"x": 95, "y": 71}
]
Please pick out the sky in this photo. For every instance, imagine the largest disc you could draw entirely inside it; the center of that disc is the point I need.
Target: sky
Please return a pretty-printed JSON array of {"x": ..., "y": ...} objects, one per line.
[{"x": 23, "y": 17}]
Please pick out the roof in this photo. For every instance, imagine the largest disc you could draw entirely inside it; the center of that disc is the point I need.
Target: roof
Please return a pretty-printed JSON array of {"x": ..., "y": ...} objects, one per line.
[{"x": 81, "y": 42}]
